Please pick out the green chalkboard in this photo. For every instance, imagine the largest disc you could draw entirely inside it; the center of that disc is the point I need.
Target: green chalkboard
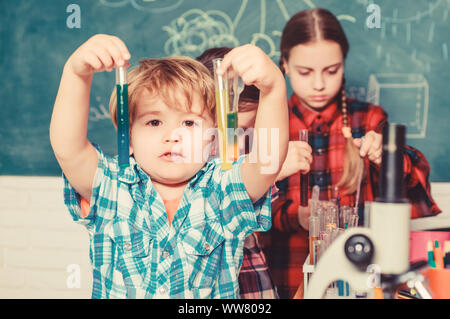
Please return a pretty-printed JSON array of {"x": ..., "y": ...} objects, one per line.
[{"x": 401, "y": 64}]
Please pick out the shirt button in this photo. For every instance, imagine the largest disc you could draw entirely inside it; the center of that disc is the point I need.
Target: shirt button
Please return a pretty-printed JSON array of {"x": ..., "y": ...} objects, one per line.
[
  {"x": 165, "y": 254},
  {"x": 128, "y": 246},
  {"x": 162, "y": 290},
  {"x": 207, "y": 247}
]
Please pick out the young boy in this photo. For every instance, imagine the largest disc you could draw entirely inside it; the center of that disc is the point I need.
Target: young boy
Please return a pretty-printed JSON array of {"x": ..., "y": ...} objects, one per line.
[{"x": 166, "y": 226}]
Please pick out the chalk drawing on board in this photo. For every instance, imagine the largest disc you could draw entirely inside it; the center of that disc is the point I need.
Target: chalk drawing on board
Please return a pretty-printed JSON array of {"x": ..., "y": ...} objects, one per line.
[
  {"x": 405, "y": 97},
  {"x": 413, "y": 18},
  {"x": 283, "y": 9},
  {"x": 445, "y": 52},
  {"x": 422, "y": 19},
  {"x": 197, "y": 30},
  {"x": 346, "y": 17},
  {"x": 98, "y": 112},
  {"x": 154, "y": 6},
  {"x": 356, "y": 92},
  {"x": 114, "y": 3}
]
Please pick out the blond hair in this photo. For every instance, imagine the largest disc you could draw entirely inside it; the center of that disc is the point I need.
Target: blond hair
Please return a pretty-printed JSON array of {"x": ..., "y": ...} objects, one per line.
[
  {"x": 172, "y": 79},
  {"x": 352, "y": 161}
]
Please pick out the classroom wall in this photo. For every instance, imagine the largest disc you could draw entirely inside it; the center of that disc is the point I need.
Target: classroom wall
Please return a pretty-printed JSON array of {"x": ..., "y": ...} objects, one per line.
[{"x": 44, "y": 254}]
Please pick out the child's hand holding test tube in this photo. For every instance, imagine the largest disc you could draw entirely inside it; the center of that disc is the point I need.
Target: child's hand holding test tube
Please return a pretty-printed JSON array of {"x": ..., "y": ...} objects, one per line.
[
  {"x": 68, "y": 129},
  {"x": 100, "y": 53},
  {"x": 371, "y": 146},
  {"x": 123, "y": 127},
  {"x": 298, "y": 159},
  {"x": 255, "y": 68}
]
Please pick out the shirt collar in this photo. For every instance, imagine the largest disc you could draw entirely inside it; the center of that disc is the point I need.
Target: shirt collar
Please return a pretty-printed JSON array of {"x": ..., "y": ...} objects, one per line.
[
  {"x": 133, "y": 173},
  {"x": 197, "y": 179},
  {"x": 307, "y": 115}
]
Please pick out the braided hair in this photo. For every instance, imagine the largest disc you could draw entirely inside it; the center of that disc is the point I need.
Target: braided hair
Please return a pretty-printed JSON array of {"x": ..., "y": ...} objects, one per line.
[{"x": 352, "y": 161}]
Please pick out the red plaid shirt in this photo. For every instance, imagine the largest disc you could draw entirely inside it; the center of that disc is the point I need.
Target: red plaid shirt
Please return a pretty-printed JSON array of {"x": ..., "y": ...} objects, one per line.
[
  {"x": 286, "y": 244},
  {"x": 255, "y": 281}
]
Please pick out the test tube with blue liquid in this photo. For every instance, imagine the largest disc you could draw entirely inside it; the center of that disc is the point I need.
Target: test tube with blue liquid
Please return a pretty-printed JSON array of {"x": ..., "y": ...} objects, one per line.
[{"x": 123, "y": 139}]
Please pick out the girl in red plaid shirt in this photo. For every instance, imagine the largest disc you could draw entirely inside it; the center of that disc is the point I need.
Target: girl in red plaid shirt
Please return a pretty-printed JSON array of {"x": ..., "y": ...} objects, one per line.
[{"x": 313, "y": 51}]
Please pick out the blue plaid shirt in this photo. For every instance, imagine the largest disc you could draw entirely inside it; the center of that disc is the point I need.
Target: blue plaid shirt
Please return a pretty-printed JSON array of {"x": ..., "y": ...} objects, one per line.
[{"x": 136, "y": 254}]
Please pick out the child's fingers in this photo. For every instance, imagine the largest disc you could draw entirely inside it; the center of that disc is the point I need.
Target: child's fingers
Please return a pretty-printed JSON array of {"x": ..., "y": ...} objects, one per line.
[
  {"x": 375, "y": 144},
  {"x": 304, "y": 145},
  {"x": 366, "y": 145},
  {"x": 105, "y": 57},
  {"x": 110, "y": 50},
  {"x": 122, "y": 48},
  {"x": 233, "y": 59},
  {"x": 304, "y": 167},
  {"x": 250, "y": 76},
  {"x": 373, "y": 158},
  {"x": 226, "y": 63},
  {"x": 301, "y": 148},
  {"x": 304, "y": 153},
  {"x": 375, "y": 154},
  {"x": 357, "y": 142},
  {"x": 116, "y": 55},
  {"x": 240, "y": 67},
  {"x": 93, "y": 61}
]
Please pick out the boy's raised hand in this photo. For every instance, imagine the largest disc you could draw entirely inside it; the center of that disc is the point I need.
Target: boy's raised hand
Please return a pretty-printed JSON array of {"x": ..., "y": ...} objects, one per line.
[
  {"x": 256, "y": 68},
  {"x": 68, "y": 128},
  {"x": 253, "y": 66},
  {"x": 101, "y": 52}
]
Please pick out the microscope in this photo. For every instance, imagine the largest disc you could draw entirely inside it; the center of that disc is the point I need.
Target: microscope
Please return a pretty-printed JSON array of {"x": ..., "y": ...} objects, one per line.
[{"x": 383, "y": 244}]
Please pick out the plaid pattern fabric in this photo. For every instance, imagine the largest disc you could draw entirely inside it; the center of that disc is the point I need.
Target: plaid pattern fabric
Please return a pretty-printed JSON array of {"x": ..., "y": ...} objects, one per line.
[
  {"x": 286, "y": 245},
  {"x": 255, "y": 281},
  {"x": 136, "y": 254}
]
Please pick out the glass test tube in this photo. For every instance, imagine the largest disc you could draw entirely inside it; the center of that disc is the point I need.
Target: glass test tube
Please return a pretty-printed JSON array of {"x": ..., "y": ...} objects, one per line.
[
  {"x": 320, "y": 213},
  {"x": 318, "y": 250},
  {"x": 331, "y": 217},
  {"x": 346, "y": 212},
  {"x": 353, "y": 220},
  {"x": 123, "y": 139},
  {"x": 314, "y": 225},
  {"x": 226, "y": 118},
  {"x": 351, "y": 217},
  {"x": 304, "y": 178},
  {"x": 314, "y": 199}
]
